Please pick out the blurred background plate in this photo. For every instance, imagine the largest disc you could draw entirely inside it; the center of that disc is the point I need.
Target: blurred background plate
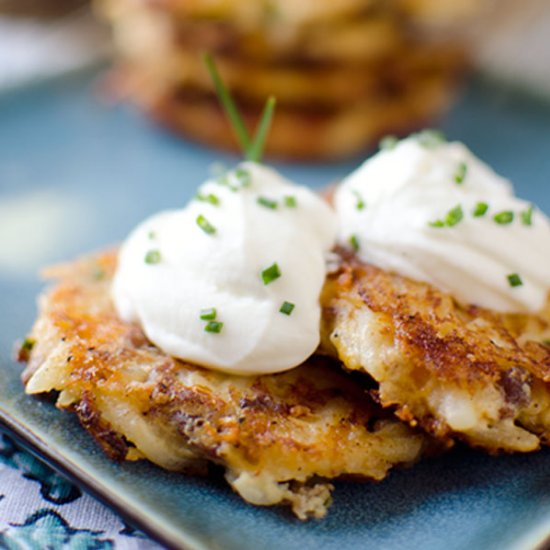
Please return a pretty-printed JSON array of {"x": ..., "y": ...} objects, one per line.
[{"x": 77, "y": 174}]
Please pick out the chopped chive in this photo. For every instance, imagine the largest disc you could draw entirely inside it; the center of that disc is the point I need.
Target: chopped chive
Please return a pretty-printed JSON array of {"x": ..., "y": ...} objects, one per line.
[
  {"x": 243, "y": 177},
  {"x": 505, "y": 217},
  {"x": 208, "y": 314},
  {"x": 151, "y": 235},
  {"x": 460, "y": 173},
  {"x": 226, "y": 182},
  {"x": 290, "y": 201},
  {"x": 480, "y": 209},
  {"x": 360, "y": 203},
  {"x": 430, "y": 138},
  {"x": 454, "y": 216},
  {"x": 205, "y": 225},
  {"x": 287, "y": 308},
  {"x": 25, "y": 349},
  {"x": 268, "y": 203},
  {"x": 209, "y": 198},
  {"x": 514, "y": 279},
  {"x": 527, "y": 216},
  {"x": 29, "y": 343},
  {"x": 254, "y": 152},
  {"x": 546, "y": 343},
  {"x": 354, "y": 242},
  {"x": 213, "y": 326},
  {"x": 269, "y": 274},
  {"x": 152, "y": 257},
  {"x": 387, "y": 143},
  {"x": 98, "y": 274},
  {"x": 228, "y": 104}
]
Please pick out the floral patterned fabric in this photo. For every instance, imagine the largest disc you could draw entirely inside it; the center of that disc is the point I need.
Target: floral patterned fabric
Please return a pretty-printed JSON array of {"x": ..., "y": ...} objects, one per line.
[{"x": 40, "y": 509}]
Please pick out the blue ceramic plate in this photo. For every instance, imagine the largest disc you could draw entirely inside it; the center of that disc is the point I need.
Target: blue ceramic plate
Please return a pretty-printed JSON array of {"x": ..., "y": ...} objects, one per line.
[{"x": 77, "y": 175}]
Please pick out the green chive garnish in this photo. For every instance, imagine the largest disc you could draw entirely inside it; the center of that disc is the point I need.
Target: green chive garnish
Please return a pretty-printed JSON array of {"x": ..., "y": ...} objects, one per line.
[
  {"x": 287, "y": 308},
  {"x": 256, "y": 149},
  {"x": 224, "y": 180},
  {"x": 98, "y": 274},
  {"x": 209, "y": 198},
  {"x": 290, "y": 201},
  {"x": 151, "y": 235},
  {"x": 271, "y": 273},
  {"x": 454, "y": 216},
  {"x": 268, "y": 203},
  {"x": 208, "y": 314},
  {"x": 387, "y": 143},
  {"x": 25, "y": 349},
  {"x": 527, "y": 216},
  {"x": 228, "y": 104},
  {"x": 205, "y": 225},
  {"x": 354, "y": 242},
  {"x": 480, "y": 209},
  {"x": 514, "y": 279},
  {"x": 213, "y": 326},
  {"x": 360, "y": 203},
  {"x": 546, "y": 343},
  {"x": 152, "y": 257},
  {"x": 243, "y": 177},
  {"x": 505, "y": 217},
  {"x": 430, "y": 138},
  {"x": 29, "y": 343},
  {"x": 461, "y": 172},
  {"x": 251, "y": 148}
]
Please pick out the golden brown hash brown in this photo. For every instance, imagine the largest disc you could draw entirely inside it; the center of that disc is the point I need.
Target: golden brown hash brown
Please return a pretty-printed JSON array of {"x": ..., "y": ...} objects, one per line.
[
  {"x": 307, "y": 13},
  {"x": 300, "y": 133},
  {"x": 321, "y": 85},
  {"x": 344, "y": 74},
  {"x": 457, "y": 371},
  {"x": 273, "y": 434}
]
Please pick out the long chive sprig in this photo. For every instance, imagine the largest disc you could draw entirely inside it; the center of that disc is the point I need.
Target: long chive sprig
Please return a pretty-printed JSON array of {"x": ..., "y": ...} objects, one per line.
[
  {"x": 257, "y": 146},
  {"x": 252, "y": 148}
]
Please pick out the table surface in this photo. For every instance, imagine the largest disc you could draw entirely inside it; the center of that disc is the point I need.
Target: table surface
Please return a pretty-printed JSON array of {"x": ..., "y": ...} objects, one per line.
[{"x": 39, "y": 509}]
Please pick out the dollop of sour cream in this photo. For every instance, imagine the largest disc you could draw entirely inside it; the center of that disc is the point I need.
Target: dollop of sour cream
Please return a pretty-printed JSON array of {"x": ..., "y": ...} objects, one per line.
[
  {"x": 231, "y": 281},
  {"x": 430, "y": 210}
]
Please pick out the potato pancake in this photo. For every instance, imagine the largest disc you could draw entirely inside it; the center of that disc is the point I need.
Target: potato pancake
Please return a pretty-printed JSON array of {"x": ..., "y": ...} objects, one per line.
[
  {"x": 344, "y": 74},
  {"x": 296, "y": 132},
  {"x": 457, "y": 371},
  {"x": 279, "y": 437}
]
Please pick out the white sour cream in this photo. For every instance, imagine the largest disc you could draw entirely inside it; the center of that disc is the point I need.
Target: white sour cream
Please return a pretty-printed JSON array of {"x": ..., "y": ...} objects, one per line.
[
  {"x": 220, "y": 266},
  {"x": 389, "y": 209}
]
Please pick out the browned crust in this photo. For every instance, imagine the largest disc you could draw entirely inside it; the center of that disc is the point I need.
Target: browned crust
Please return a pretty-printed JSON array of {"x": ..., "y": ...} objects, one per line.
[
  {"x": 113, "y": 444},
  {"x": 332, "y": 103},
  {"x": 310, "y": 421},
  {"x": 438, "y": 333},
  {"x": 303, "y": 133},
  {"x": 438, "y": 345}
]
